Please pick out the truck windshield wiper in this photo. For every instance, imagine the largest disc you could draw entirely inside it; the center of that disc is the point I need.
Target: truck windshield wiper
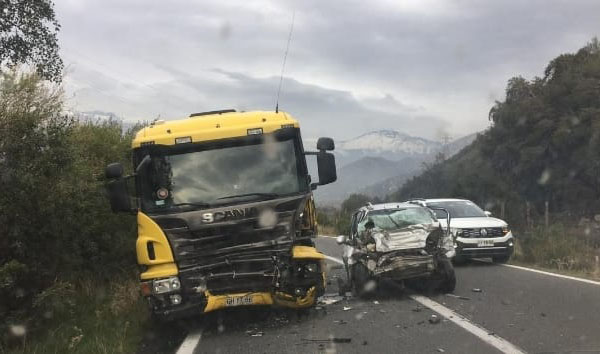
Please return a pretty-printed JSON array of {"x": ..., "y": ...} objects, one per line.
[
  {"x": 263, "y": 195},
  {"x": 197, "y": 205}
]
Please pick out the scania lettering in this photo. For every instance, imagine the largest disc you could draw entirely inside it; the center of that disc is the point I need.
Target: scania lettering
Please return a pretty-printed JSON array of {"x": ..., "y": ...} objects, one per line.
[{"x": 225, "y": 212}]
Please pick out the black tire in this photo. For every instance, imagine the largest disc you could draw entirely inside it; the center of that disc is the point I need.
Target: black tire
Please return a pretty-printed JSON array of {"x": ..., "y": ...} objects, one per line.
[
  {"x": 459, "y": 260},
  {"x": 501, "y": 259},
  {"x": 448, "y": 277},
  {"x": 360, "y": 278}
]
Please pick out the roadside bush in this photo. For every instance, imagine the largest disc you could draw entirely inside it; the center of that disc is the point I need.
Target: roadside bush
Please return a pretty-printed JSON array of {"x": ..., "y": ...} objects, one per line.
[
  {"x": 558, "y": 247},
  {"x": 56, "y": 227}
]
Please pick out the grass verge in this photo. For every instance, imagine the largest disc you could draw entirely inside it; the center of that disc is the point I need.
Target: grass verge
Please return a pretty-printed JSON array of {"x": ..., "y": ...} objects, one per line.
[
  {"x": 560, "y": 249},
  {"x": 83, "y": 317}
]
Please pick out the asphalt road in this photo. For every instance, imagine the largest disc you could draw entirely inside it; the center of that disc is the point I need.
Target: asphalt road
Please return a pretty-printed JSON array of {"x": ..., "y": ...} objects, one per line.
[{"x": 515, "y": 310}]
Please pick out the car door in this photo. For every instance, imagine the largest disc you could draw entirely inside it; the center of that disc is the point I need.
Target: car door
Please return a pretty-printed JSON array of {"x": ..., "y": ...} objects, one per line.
[{"x": 348, "y": 248}]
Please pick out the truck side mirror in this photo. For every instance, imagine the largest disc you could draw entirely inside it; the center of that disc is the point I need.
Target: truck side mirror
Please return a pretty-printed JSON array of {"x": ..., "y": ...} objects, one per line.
[
  {"x": 326, "y": 144},
  {"x": 113, "y": 170},
  {"x": 118, "y": 196},
  {"x": 116, "y": 188},
  {"x": 326, "y": 166},
  {"x": 488, "y": 213}
]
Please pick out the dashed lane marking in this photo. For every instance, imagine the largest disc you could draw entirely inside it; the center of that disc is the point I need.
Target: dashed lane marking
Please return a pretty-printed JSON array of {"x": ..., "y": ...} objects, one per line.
[
  {"x": 478, "y": 331},
  {"x": 190, "y": 343}
]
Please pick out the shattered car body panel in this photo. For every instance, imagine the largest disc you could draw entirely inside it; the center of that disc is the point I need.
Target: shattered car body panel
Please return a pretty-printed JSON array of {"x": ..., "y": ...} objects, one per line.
[
  {"x": 400, "y": 242},
  {"x": 411, "y": 237}
]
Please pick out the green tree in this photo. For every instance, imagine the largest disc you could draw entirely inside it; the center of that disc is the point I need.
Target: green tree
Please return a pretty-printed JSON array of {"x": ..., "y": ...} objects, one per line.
[
  {"x": 56, "y": 225},
  {"x": 28, "y": 35},
  {"x": 542, "y": 146}
]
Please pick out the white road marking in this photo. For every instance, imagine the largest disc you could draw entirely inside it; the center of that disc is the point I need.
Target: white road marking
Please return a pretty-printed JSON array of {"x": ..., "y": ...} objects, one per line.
[
  {"x": 190, "y": 343},
  {"x": 480, "y": 332},
  {"x": 553, "y": 274}
]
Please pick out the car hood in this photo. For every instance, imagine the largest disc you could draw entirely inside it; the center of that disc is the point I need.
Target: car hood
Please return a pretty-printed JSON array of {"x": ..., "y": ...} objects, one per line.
[
  {"x": 412, "y": 237},
  {"x": 467, "y": 223}
]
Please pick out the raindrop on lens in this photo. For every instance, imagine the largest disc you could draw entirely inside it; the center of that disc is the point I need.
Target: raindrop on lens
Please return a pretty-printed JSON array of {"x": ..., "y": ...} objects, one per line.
[
  {"x": 267, "y": 218},
  {"x": 18, "y": 330}
]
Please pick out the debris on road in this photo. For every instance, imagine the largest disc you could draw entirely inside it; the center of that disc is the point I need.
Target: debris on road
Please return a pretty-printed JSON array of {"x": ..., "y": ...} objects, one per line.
[
  {"x": 329, "y": 299},
  {"x": 417, "y": 309},
  {"x": 329, "y": 340},
  {"x": 376, "y": 302},
  {"x": 434, "y": 319},
  {"x": 255, "y": 333},
  {"x": 542, "y": 314},
  {"x": 458, "y": 297},
  {"x": 476, "y": 290},
  {"x": 440, "y": 350},
  {"x": 364, "y": 342},
  {"x": 346, "y": 308},
  {"x": 340, "y": 322}
]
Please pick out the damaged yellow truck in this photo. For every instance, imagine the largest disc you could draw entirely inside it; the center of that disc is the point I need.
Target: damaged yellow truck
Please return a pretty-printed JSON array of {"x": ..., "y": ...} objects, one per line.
[{"x": 225, "y": 212}]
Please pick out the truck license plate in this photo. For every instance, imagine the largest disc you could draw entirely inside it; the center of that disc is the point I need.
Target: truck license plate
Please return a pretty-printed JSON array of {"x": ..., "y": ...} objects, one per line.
[
  {"x": 485, "y": 243},
  {"x": 238, "y": 300}
]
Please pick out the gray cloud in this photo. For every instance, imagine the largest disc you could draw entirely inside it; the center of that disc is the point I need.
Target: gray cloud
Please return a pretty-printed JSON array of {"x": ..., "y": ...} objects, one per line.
[{"x": 411, "y": 65}]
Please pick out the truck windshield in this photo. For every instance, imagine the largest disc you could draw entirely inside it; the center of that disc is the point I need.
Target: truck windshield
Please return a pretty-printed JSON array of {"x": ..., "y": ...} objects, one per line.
[{"x": 208, "y": 175}]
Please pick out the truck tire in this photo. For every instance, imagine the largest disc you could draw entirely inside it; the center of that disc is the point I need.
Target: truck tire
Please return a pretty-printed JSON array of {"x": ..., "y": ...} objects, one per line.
[{"x": 448, "y": 277}]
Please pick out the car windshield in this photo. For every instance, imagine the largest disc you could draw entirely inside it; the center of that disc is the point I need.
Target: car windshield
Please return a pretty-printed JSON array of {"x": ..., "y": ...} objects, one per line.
[
  {"x": 200, "y": 177},
  {"x": 394, "y": 219},
  {"x": 457, "y": 209}
]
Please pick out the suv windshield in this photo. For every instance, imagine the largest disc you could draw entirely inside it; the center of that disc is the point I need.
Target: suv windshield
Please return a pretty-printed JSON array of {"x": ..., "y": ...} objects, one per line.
[
  {"x": 457, "y": 209},
  {"x": 208, "y": 175},
  {"x": 393, "y": 219}
]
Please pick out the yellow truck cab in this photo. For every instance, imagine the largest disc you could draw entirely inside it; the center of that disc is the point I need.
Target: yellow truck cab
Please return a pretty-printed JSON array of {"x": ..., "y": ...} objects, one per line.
[{"x": 225, "y": 212}]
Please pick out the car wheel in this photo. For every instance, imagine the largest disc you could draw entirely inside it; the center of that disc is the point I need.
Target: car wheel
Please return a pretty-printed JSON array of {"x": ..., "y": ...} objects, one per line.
[
  {"x": 501, "y": 259},
  {"x": 363, "y": 284},
  {"x": 448, "y": 277},
  {"x": 459, "y": 260}
]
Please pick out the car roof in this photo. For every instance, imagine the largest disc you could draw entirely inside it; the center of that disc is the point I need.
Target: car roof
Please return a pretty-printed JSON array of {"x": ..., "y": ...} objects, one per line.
[
  {"x": 382, "y": 206},
  {"x": 436, "y": 200}
]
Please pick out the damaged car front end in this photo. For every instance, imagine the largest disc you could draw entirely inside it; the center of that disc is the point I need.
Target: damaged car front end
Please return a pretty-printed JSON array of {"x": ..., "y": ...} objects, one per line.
[{"x": 401, "y": 242}]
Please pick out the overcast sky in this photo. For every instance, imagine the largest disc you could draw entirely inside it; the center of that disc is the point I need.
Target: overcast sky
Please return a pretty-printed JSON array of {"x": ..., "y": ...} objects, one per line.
[{"x": 422, "y": 67}]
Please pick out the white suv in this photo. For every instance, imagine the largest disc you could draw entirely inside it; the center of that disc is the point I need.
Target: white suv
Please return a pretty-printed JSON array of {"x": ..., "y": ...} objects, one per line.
[{"x": 476, "y": 233}]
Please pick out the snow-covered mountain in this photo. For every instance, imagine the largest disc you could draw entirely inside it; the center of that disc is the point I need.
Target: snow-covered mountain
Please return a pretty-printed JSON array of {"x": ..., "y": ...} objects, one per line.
[
  {"x": 389, "y": 141},
  {"x": 378, "y": 162}
]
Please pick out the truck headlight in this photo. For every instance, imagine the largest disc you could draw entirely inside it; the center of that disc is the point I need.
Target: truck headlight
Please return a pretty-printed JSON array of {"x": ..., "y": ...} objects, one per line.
[
  {"x": 311, "y": 267},
  {"x": 167, "y": 285}
]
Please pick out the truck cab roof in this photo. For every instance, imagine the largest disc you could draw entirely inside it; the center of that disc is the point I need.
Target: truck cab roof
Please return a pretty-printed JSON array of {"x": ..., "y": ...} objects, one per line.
[{"x": 213, "y": 126}]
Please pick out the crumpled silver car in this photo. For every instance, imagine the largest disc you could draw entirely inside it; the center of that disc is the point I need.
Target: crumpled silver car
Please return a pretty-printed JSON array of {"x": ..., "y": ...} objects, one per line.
[{"x": 398, "y": 241}]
